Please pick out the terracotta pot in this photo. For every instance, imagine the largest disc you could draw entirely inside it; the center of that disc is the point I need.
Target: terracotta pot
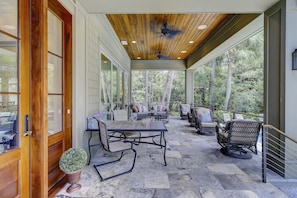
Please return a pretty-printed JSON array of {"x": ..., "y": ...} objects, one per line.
[{"x": 73, "y": 179}]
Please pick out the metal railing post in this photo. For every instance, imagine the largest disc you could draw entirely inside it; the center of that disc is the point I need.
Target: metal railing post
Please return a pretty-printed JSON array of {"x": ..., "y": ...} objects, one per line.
[{"x": 264, "y": 152}]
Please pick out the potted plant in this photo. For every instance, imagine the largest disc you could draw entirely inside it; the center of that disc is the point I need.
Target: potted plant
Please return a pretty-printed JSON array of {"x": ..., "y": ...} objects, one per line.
[{"x": 71, "y": 163}]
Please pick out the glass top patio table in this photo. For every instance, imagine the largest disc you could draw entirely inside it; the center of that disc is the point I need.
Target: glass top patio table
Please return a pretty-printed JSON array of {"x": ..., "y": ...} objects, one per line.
[
  {"x": 152, "y": 128},
  {"x": 136, "y": 126}
]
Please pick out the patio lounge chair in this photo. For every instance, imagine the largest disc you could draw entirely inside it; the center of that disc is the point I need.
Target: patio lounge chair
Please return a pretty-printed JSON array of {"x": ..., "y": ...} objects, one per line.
[
  {"x": 239, "y": 138},
  {"x": 206, "y": 124},
  {"x": 112, "y": 147},
  {"x": 184, "y": 109},
  {"x": 226, "y": 117}
]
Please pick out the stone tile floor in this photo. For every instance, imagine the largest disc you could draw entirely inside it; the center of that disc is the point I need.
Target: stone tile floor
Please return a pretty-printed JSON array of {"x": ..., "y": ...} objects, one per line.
[{"x": 195, "y": 169}]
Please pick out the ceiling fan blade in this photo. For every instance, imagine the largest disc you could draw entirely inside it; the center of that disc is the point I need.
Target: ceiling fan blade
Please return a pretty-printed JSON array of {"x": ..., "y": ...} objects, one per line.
[
  {"x": 169, "y": 33},
  {"x": 160, "y": 56}
]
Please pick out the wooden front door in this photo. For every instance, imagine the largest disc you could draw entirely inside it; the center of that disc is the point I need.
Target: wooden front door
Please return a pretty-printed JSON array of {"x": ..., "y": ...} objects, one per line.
[
  {"x": 59, "y": 91},
  {"x": 35, "y": 96},
  {"x": 14, "y": 98}
]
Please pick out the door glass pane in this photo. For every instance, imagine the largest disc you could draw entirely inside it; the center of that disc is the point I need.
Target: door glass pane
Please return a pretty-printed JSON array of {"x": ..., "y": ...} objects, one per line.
[
  {"x": 54, "y": 34},
  {"x": 8, "y": 93},
  {"x": 55, "y": 72},
  {"x": 9, "y": 16},
  {"x": 120, "y": 90},
  {"x": 114, "y": 86},
  {"x": 105, "y": 83},
  {"x": 55, "y": 116},
  {"x": 126, "y": 85}
]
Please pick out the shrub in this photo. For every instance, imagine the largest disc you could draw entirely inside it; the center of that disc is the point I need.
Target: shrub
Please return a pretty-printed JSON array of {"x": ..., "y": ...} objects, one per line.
[{"x": 73, "y": 159}]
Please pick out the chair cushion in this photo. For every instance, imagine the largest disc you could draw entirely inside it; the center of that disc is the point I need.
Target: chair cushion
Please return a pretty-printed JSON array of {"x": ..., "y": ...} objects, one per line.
[
  {"x": 205, "y": 117},
  {"x": 185, "y": 109},
  {"x": 144, "y": 108},
  {"x": 209, "y": 124}
]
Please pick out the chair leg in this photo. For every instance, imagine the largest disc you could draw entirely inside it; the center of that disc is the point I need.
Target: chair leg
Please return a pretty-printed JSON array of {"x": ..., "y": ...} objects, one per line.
[{"x": 130, "y": 170}]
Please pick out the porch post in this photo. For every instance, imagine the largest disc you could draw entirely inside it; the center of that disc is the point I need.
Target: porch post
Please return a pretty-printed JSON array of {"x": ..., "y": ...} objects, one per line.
[{"x": 190, "y": 86}]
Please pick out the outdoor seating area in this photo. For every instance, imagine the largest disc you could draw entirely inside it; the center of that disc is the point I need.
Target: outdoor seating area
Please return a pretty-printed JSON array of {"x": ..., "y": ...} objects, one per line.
[
  {"x": 195, "y": 168},
  {"x": 184, "y": 110},
  {"x": 205, "y": 123},
  {"x": 144, "y": 110},
  {"x": 239, "y": 138}
]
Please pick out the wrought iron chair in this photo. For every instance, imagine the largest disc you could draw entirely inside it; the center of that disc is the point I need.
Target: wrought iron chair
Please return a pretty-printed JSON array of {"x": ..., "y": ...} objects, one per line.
[
  {"x": 184, "y": 109},
  {"x": 113, "y": 147},
  {"x": 239, "y": 138},
  {"x": 206, "y": 124}
]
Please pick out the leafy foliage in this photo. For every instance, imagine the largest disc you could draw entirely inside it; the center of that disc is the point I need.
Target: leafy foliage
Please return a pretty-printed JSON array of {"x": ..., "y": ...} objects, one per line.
[
  {"x": 247, "y": 88},
  {"x": 247, "y": 78},
  {"x": 73, "y": 159}
]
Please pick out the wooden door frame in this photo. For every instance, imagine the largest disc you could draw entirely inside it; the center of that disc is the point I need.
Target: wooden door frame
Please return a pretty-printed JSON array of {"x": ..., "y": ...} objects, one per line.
[
  {"x": 24, "y": 13},
  {"x": 14, "y": 166},
  {"x": 39, "y": 99}
]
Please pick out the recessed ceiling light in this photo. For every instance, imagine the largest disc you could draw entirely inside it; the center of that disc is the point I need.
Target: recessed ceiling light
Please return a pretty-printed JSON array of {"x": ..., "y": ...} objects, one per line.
[
  {"x": 191, "y": 42},
  {"x": 134, "y": 42},
  {"x": 202, "y": 27},
  {"x": 183, "y": 52},
  {"x": 178, "y": 57},
  {"x": 138, "y": 57},
  {"x": 124, "y": 42}
]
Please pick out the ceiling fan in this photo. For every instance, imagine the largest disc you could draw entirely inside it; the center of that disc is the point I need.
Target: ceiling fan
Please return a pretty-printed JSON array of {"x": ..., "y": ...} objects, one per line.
[
  {"x": 169, "y": 33},
  {"x": 160, "y": 56}
]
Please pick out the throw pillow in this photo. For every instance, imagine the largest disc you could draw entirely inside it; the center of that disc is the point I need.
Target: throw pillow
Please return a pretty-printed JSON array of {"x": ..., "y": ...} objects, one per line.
[
  {"x": 185, "y": 109},
  {"x": 205, "y": 117},
  {"x": 144, "y": 108},
  {"x": 139, "y": 106},
  {"x": 135, "y": 109}
]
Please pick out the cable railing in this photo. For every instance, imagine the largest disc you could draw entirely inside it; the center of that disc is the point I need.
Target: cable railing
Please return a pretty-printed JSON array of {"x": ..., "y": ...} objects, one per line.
[{"x": 279, "y": 154}]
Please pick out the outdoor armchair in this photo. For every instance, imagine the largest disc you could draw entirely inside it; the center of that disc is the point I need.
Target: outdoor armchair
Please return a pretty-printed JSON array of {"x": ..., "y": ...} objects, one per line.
[
  {"x": 113, "y": 147},
  {"x": 226, "y": 117},
  {"x": 239, "y": 138},
  {"x": 206, "y": 124},
  {"x": 184, "y": 110}
]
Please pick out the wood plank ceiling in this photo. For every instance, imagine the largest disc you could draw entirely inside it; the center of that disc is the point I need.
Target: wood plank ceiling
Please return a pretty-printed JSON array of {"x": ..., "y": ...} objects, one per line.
[{"x": 145, "y": 40}]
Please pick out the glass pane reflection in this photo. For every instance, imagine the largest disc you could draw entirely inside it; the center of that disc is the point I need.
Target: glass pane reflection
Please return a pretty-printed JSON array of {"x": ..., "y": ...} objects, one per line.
[
  {"x": 55, "y": 114},
  {"x": 8, "y": 121},
  {"x": 8, "y": 64},
  {"x": 55, "y": 74},
  {"x": 105, "y": 84},
  {"x": 54, "y": 34},
  {"x": 9, "y": 16}
]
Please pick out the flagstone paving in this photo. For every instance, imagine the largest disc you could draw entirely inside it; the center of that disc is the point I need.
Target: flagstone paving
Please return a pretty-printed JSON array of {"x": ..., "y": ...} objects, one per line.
[{"x": 195, "y": 169}]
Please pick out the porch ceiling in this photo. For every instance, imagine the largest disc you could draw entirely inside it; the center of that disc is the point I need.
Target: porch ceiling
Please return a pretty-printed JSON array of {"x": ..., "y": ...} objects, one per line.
[{"x": 142, "y": 22}]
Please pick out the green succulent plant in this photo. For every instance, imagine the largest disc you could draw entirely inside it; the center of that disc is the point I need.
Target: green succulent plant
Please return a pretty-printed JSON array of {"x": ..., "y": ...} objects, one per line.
[{"x": 73, "y": 159}]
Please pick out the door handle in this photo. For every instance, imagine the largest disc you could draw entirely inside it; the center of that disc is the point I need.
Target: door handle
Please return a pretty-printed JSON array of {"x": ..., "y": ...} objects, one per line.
[{"x": 26, "y": 128}]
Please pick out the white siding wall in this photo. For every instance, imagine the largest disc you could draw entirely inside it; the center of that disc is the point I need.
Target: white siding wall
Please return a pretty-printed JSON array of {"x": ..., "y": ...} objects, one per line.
[
  {"x": 93, "y": 66},
  {"x": 92, "y": 34}
]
